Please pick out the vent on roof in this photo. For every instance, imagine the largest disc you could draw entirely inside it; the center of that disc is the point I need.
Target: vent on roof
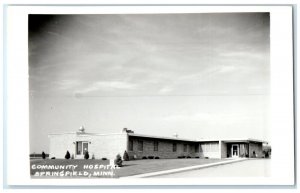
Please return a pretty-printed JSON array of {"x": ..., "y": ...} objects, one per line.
[
  {"x": 81, "y": 129},
  {"x": 125, "y": 130}
]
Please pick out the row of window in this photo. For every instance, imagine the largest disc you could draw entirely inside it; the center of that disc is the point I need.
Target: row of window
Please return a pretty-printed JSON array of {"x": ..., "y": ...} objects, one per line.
[
  {"x": 210, "y": 147},
  {"x": 140, "y": 146}
]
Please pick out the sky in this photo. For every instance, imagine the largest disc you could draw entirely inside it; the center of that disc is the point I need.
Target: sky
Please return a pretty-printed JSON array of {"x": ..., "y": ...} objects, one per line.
[{"x": 200, "y": 75}]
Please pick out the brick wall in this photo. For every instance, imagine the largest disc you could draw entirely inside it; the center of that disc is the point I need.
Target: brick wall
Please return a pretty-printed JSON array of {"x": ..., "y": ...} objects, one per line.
[
  {"x": 223, "y": 150},
  {"x": 165, "y": 148},
  {"x": 100, "y": 146},
  {"x": 60, "y": 144}
]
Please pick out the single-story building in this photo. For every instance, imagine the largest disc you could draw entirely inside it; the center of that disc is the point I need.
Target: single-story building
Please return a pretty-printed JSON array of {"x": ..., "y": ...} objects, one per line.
[{"x": 140, "y": 146}]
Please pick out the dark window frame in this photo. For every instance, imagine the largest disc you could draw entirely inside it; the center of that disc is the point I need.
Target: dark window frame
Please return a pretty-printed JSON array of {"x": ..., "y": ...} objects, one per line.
[
  {"x": 174, "y": 147},
  {"x": 130, "y": 145},
  {"x": 185, "y": 147},
  {"x": 140, "y": 145},
  {"x": 155, "y": 144}
]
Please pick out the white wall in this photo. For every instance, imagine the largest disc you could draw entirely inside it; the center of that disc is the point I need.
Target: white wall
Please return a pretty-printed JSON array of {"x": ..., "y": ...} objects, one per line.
[{"x": 101, "y": 146}]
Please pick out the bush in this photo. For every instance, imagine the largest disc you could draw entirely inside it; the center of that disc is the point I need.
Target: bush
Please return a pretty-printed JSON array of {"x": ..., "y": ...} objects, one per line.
[
  {"x": 86, "y": 155},
  {"x": 67, "y": 156},
  {"x": 156, "y": 158},
  {"x": 144, "y": 157},
  {"x": 53, "y": 158},
  {"x": 188, "y": 157},
  {"x": 118, "y": 160},
  {"x": 104, "y": 158},
  {"x": 180, "y": 157},
  {"x": 125, "y": 156},
  {"x": 43, "y": 155},
  {"x": 150, "y": 157},
  {"x": 197, "y": 157}
]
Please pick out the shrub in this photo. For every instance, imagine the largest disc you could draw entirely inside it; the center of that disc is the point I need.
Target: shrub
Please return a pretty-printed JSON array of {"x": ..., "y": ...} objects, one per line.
[
  {"x": 118, "y": 160},
  {"x": 104, "y": 158},
  {"x": 156, "y": 158},
  {"x": 144, "y": 157},
  {"x": 150, "y": 157},
  {"x": 67, "y": 156},
  {"x": 197, "y": 157},
  {"x": 205, "y": 157},
  {"x": 86, "y": 155},
  {"x": 188, "y": 156},
  {"x": 53, "y": 158},
  {"x": 125, "y": 156},
  {"x": 180, "y": 157},
  {"x": 43, "y": 155}
]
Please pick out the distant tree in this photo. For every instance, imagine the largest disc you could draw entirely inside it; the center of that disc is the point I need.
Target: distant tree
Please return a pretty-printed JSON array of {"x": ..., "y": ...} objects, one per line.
[
  {"x": 67, "y": 156},
  {"x": 125, "y": 156},
  {"x": 118, "y": 160},
  {"x": 43, "y": 155},
  {"x": 86, "y": 155}
]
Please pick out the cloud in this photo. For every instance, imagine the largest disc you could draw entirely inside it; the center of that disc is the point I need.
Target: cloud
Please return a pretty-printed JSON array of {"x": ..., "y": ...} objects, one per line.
[
  {"x": 165, "y": 90},
  {"x": 108, "y": 86},
  {"x": 67, "y": 84},
  {"x": 209, "y": 117}
]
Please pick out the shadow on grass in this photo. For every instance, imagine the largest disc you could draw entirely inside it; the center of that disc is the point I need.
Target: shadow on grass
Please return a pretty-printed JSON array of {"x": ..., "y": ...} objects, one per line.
[{"x": 128, "y": 165}]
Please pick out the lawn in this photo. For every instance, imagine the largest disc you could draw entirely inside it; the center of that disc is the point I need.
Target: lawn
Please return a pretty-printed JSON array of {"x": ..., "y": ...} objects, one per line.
[{"x": 99, "y": 168}]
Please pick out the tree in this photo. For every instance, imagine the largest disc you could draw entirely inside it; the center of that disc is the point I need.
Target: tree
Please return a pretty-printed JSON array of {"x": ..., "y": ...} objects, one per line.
[
  {"x": 67, "y": 156},
  {"x": 43, "y": 155},
  {"x": 118, "y": 160},
  {"x": 86, "y": 155},
  {"x": 125, "y": 156}
]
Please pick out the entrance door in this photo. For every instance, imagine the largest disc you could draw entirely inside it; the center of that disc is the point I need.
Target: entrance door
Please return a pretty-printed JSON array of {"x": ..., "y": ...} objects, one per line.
[
  {"x": 85, "y": 147},
  {"x": 235, "y": 150},
  {"x": 81, "y": 148}
]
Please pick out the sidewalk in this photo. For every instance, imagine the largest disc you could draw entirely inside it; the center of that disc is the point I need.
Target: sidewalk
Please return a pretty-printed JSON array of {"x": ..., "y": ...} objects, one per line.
[{"x": 186, "y": 168}]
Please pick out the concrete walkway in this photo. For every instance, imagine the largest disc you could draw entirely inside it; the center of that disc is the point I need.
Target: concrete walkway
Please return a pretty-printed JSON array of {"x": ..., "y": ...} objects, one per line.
[
  {"x": 252, "y": 168},
  {"x": 186, "y": 168}
]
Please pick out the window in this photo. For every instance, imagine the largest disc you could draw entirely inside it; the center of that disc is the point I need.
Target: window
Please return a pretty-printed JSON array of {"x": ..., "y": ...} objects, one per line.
[
  {"x": 79, "y": 147},
  {"x": 155, "y": 145},
  {"x": 130, "y": 145},
  {"x": 184, "y": 147},
  {"x": 174, "y": 147},
  {"x": 140, "y": 145}
]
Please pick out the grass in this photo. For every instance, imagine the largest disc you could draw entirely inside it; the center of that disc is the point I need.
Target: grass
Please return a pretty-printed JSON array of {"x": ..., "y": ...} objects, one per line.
[
  {"x": 129, "y": 168},
  {"x": 146, "y": 166}
]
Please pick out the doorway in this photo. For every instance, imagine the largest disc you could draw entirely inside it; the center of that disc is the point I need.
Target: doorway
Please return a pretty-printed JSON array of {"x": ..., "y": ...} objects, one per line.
[
  {"x": 81, "y": 148},
  {"x": 235, "y": 150}
]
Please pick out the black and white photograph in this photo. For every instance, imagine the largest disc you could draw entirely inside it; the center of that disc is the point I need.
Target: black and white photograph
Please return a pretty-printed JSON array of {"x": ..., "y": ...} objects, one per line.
[
  {"x": 149, "y": 93},
  {"x": 153, "y": 96}
]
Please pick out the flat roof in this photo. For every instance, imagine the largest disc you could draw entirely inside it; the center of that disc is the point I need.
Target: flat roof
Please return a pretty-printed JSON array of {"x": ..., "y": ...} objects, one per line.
[
  {"x": 160, "y": 137},
  {"x": 230, "y": 140},
  {"x": 234, "y": 140}
]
